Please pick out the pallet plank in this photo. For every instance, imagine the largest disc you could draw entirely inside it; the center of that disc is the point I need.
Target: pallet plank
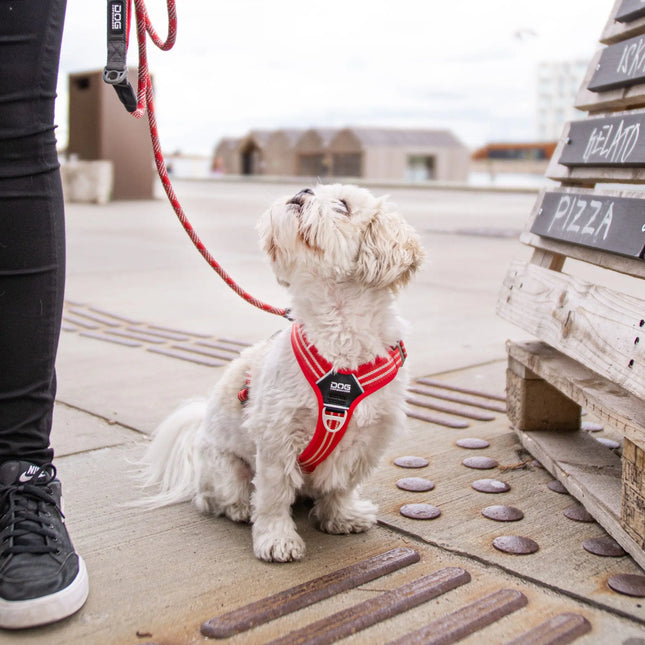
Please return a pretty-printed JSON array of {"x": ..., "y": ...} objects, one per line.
[
  {"x": 595, "y": 325},
  {"x": 612, "y": 404}
]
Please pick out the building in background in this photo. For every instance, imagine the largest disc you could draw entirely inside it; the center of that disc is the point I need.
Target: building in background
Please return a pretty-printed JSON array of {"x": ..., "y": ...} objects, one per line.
[
  {"x": 505, "y": 159},
  {"x": 557, "y": 87},
  {"x": 280, "y": 158},
  {"x": 225, "y": 157},
  {"x": 368, "y": 153},
  {"x": 313, "y": 158},
  {"x": 407, "y": 155}
]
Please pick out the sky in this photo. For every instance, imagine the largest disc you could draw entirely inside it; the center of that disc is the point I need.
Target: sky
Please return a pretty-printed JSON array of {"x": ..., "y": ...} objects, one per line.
[{"x": 466, "y": 65}]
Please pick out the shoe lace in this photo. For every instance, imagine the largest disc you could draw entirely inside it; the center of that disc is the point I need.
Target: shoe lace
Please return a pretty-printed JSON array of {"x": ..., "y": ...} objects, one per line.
[{"x": 26, "y": 523}]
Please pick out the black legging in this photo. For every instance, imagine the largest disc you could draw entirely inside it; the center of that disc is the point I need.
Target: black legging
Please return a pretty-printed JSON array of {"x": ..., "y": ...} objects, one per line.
[{"x": 32, "y": 236}]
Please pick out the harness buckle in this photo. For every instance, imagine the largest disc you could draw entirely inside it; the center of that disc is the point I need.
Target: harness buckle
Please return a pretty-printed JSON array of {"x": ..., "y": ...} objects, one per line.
[{"x": 333, "y": 420}]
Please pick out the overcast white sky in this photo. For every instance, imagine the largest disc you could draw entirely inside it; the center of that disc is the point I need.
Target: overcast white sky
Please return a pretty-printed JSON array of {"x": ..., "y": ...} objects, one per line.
[{"x": 466, "y": 65}]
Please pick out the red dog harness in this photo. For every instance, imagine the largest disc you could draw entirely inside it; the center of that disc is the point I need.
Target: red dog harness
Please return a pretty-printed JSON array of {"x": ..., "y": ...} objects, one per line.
[{"x": 338, "y": 392}]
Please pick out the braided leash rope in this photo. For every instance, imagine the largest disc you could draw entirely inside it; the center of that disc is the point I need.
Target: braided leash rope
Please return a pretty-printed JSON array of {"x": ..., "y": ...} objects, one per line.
[{"x": 145, "y": 103}]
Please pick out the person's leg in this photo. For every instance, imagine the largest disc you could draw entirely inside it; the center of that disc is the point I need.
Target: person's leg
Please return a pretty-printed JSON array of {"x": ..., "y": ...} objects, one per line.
[
  {"x": 32, "y": 245},
  {"x": 41, "y": 577}
]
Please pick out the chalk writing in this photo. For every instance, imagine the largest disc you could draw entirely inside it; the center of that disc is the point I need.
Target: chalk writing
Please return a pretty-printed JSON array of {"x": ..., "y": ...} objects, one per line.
[
  {"x": 632, "y": 59},
  {"x": 582, "y": 216},
  {"x": 615, "y": 224},
  {"x": 620, "y": 65},
  {"x": 612, "y": 143}
]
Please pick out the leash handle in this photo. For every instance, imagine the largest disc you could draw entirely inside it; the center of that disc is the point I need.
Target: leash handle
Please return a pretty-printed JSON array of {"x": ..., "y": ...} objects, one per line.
[{"x": 115, "y": 74}]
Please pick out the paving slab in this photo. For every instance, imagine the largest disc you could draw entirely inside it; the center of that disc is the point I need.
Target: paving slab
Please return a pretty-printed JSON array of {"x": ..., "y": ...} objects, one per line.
[{"x": 156, "y": 576}]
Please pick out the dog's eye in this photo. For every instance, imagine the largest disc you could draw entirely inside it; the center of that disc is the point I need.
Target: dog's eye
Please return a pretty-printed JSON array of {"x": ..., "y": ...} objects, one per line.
[{"x": 342, "y": 207}]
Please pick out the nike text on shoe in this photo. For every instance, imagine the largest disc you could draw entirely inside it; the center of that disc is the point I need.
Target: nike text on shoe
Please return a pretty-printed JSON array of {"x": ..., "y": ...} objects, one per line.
[{"x": 42, "y": 579}]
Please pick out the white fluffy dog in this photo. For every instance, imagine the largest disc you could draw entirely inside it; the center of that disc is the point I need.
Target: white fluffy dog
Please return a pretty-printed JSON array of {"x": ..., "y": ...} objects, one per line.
[{"x": 343, "y": 254}]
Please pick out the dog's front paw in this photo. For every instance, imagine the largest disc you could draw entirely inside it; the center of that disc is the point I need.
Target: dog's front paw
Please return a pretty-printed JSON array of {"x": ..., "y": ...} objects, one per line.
[
  {"x": 357, "y": 518},
  {"x": 272, "y": 547}
]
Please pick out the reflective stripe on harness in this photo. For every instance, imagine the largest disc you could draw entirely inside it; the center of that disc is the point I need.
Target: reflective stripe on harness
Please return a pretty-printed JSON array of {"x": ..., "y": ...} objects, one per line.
[{"x": 338, "y": 392}]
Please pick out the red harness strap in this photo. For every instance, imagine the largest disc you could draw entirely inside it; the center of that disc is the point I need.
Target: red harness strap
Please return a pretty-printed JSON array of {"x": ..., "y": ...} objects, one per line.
[{"x": 338, "y": 392}]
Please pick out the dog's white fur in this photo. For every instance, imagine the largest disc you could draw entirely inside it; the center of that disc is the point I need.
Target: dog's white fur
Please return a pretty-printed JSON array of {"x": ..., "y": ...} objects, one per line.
[{"x": 343, "y": 255}]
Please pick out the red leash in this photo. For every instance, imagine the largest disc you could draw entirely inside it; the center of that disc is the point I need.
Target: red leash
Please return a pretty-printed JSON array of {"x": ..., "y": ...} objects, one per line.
[{"x": 116, "y": 74}]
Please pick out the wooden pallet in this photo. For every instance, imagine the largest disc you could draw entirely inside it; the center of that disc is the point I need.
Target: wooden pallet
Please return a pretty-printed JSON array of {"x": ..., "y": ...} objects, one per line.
[{"x": 589, "y": 321}]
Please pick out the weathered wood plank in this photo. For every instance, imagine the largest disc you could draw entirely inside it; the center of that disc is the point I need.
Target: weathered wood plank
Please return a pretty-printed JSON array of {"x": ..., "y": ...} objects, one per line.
[
  {"x": 621, "y": 98},
  {"x": 633, "y": 501},
  {"x": 615, "y": 30},
  {"x": 612, "y": 404},
  {"x": 534, "y": 404},
  {"x": 600, "y": 258},
  {"x": 591, "y": 473},
  {"x": 599, "y": 327}
]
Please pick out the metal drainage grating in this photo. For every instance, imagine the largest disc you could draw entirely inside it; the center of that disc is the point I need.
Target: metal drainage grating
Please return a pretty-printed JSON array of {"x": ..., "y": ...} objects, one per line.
[{"x": 187, "y": 346}]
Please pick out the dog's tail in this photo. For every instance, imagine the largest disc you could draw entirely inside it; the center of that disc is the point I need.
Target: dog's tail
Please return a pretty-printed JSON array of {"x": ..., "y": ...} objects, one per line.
[{"x": 170, "y": 464}]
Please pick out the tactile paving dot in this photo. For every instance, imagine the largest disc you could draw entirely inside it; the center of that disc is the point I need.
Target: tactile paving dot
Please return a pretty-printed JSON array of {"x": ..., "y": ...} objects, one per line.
[
  {"x": 629, "y": 584},
  {"x": 415, "y": 484},
  {"x": 578, "y": 513},
  {"x": 411, "y": 461},
  {"x": 420, "y": 511},
  {"x": 491, "y": 486},
  {"x": 515, "y": 544},
  {"x": 502, "y": 513},
  {"x": 605, "y": 546},
  {"x": 557, "y": 487},
  {"x": 472, "y": 443},
  {"x": 480, "y": 463}
]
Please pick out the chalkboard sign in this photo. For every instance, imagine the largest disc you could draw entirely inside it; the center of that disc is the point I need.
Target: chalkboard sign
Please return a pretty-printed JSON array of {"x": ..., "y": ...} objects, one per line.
[
  {"x": 630, "y": 10},
  {"x": 609, "y": 141},
  {"x": 615, "y": 224},
  {"x": 620, "y": 65}
]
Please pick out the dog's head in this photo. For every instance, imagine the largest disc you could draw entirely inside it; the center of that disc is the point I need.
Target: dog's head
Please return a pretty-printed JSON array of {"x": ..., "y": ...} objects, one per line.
[{"x": 339, "y": 233}]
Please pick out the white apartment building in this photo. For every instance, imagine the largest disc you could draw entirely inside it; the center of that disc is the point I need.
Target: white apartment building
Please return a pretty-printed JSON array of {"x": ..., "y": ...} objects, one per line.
[{"x": 557, "y": 87}]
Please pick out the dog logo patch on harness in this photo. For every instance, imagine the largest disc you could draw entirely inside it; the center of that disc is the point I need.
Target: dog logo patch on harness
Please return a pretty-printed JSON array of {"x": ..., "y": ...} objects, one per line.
[{"x": 339, "y": 390}]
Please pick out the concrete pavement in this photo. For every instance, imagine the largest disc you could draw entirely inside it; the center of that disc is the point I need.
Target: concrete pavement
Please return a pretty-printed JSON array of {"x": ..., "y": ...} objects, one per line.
[{"x": 147, "y": 323}]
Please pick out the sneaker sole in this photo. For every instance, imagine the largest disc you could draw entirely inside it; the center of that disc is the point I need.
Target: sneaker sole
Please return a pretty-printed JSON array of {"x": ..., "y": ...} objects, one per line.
[{"x": 20, "y": 614}]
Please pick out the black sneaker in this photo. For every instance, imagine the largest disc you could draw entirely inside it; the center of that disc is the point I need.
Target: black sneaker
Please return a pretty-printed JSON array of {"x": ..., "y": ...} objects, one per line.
[{"x": 42, "y": 579}]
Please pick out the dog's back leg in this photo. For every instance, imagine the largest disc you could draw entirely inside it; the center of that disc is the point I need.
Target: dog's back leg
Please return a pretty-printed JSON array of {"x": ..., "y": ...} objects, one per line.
[{"x": 225, "y": 486}]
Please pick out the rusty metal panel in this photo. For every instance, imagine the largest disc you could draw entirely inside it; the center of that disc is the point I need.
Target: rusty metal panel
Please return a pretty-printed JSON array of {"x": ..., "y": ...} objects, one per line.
[
  {"x": 467, "y": 620},
  {"x": 368, "y": 613},
  {"x": 559, "y": 630},
  {"x": 290, "y": 600}
]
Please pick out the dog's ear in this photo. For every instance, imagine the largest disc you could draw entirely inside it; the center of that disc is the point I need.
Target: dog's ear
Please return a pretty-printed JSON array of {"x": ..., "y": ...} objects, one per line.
[{"x": 390, "y": 252}]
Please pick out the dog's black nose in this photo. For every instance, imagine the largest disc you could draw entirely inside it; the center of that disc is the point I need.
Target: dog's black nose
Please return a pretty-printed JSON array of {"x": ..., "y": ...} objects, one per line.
[{"x": 298, "y": 198}]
